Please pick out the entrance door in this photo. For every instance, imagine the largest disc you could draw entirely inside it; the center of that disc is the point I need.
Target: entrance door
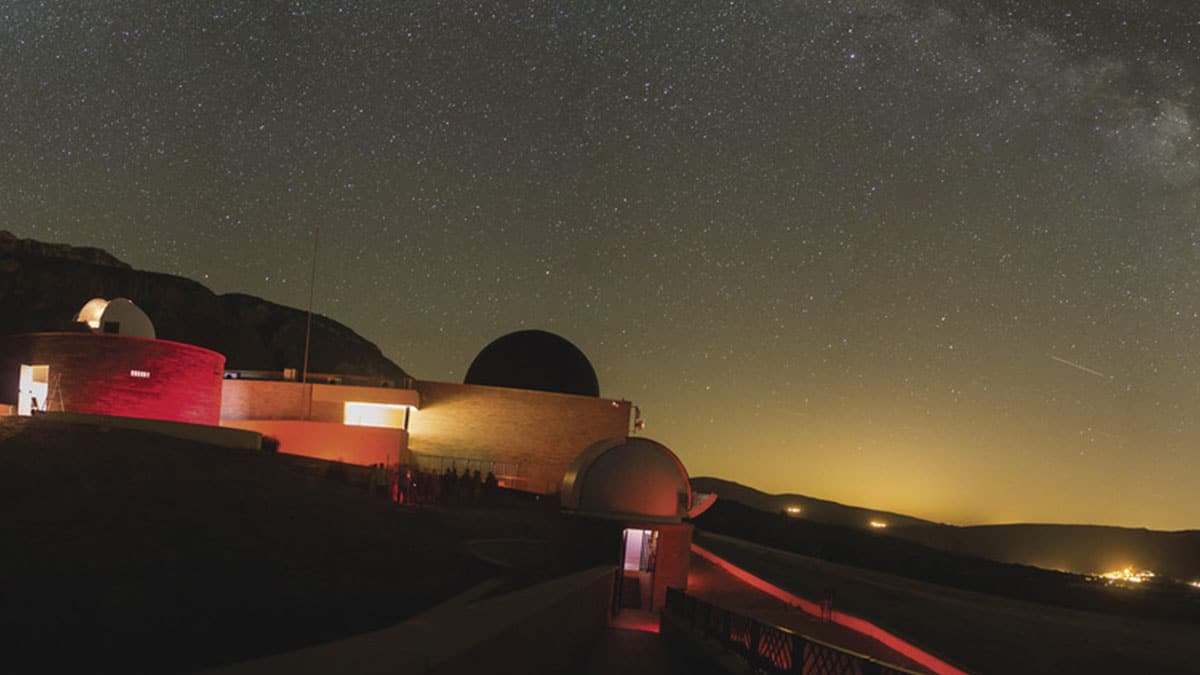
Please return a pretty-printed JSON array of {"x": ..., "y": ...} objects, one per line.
[
  {"x": 639, "y": 553},
  {"x": 34, "y": 386}
]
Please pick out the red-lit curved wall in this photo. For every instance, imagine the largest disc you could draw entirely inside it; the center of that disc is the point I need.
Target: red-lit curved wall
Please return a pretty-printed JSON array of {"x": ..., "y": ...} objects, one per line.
[{"x": 116, "y": 375}]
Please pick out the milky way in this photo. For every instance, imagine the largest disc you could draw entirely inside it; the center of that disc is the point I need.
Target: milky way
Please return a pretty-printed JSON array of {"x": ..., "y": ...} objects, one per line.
[{"x": 852, "y": 249}]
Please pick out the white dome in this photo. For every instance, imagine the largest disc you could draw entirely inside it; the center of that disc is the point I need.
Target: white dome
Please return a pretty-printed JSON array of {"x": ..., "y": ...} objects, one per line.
[
  {"x": 91, "y": 312},
  {"x": 128, "y": 318},
  {"x": 628, "y": 479}
]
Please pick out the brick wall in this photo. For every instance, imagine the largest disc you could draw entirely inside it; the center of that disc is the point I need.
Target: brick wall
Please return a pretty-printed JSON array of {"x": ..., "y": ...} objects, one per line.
[
  {"x": 93, "y": 374},
  {"x": 275, "y": 400},
  {"x": 541, "y": 431}
]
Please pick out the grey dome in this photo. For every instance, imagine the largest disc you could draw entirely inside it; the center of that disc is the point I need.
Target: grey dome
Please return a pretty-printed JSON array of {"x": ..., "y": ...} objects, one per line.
[
  {"x": 628, "y": 479},
  {"x": 537, "y": 360}
]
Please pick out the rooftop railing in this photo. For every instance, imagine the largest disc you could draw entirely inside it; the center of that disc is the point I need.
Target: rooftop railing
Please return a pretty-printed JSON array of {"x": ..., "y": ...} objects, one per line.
[
  {"x": 769, "y": 648},
  {"x": 291, "y": 375}
]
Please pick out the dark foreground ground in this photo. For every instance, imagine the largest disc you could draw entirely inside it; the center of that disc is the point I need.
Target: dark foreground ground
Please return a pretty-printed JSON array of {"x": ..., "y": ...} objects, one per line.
[
  {"x": 980, "y": 632},
  {"x": 131, "y": 552}
]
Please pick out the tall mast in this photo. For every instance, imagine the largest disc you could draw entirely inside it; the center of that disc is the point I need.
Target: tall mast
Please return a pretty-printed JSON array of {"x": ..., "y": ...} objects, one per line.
[{"x": 312, "y": 286}]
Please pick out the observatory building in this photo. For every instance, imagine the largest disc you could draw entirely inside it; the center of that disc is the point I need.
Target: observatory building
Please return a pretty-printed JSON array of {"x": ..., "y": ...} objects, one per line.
[
  {"x": 113, "y": 365},
  {"x": 629, "y": 498},
  {"x": 529, "y": 411},
  {"x": 530, "y": 399},
  {"x": 529, "y": 405}
]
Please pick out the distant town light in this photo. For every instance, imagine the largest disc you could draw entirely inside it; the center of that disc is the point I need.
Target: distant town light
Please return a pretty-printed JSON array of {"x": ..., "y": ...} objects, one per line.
[
  {"x": 1128, "y": 575},
  {"x": 1195, "y": 584},
  {"x": 794, "y": 510},
  {"x": 877, "y": 524},
  {"x": 143, "y": 374}
]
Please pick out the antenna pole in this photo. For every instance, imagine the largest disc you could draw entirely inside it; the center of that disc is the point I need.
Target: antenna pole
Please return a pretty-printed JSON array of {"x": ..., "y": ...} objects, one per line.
[{"x": 312, "y": 286}]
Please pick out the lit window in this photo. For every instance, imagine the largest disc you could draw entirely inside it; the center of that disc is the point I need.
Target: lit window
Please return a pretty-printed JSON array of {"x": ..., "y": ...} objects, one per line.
[{"x": 362, "y": 414}]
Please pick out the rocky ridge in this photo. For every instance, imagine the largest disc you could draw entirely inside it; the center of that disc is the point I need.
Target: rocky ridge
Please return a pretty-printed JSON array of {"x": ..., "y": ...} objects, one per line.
[{"x": 43, "y": 285}]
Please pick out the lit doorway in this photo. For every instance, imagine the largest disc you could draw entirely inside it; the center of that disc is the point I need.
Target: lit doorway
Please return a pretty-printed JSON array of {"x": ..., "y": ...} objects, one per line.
[
  {"x": 34, "y": 386},
  {"x": 639, "y": 552}
]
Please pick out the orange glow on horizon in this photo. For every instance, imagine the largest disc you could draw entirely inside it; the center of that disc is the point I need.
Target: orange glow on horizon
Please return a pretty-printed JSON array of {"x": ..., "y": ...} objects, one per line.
[{"x": 878, "y": 524}]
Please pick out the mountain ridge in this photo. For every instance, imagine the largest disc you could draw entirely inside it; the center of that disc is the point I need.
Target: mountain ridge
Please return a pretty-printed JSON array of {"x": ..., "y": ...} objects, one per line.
[
  {"x": 43, "y": 285},
  {"x": 1080, "y": 549}
]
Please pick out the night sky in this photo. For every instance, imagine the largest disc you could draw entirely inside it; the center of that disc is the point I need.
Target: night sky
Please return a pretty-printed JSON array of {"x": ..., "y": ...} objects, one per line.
[{"x": 938, "y": 257}]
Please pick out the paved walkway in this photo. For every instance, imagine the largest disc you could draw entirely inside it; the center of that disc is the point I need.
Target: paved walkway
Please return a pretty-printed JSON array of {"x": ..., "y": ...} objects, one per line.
[
  {"x": 634, "y": 652},
  {"x": 718, "y": 587}
]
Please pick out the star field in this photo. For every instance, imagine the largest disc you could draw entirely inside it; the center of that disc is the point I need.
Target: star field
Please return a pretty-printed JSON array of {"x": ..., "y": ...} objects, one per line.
[{"x": 942, "y": 258}]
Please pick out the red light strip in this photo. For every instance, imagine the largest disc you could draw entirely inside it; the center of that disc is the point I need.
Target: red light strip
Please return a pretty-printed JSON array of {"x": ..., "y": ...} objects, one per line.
[{"x": 854, "y": 623}]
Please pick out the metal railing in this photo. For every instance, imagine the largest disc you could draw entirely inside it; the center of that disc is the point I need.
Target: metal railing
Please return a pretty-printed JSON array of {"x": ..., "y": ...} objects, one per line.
[
  {"x": 769, "y": 648},
  {"x": 439, "y": 463},
  {"x": 292, "y": 375}
]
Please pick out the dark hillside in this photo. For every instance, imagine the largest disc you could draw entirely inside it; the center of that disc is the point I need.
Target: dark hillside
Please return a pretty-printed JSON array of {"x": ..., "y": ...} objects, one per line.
[
  {"x": 130, "y": 551},
  {"x": 1079, "y": 548},
  {"x": 1082, "y": 549},
  {"x": 42, "y": 286},
  {"x": 817, "y": 510},
  {"x": 884, "y": 553}
]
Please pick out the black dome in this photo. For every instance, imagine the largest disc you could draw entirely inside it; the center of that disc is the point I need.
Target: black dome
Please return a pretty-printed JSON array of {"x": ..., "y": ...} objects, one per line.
[{"x": 534, "y": 359}]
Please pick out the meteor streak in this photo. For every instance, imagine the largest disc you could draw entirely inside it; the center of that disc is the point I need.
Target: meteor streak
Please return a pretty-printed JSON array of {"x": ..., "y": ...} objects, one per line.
[{"x": 1076, "y": 366}]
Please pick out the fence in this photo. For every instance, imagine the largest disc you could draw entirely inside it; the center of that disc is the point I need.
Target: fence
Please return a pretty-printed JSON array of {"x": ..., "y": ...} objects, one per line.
[
  {"x": 769, "y": 648},
  {"x": 509, "y": 473}
]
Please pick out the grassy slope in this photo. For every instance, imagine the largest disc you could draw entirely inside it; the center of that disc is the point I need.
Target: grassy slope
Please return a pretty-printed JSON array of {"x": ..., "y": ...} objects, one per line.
[{"x": 133, "y": 552}]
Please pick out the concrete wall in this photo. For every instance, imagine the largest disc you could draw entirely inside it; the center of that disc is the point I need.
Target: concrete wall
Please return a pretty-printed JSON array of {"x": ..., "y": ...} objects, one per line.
[
  {"x": 543, "y": 432},
  {"x": 674, "y": 559},
  {"x": 92, "y": 374},
  {"x": 332, "y": 441}
]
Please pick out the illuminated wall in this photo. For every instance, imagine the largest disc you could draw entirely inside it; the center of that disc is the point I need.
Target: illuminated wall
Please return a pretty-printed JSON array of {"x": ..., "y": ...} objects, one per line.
[
  {"x": 271, "y": 400},
  {"x": 117, "y": 375},
  {"x": 356, "y": 425},
  {"x": 245, "y": 399},
  {"x": 541, "y": 431},
  {"x": 332, "y": 440}
]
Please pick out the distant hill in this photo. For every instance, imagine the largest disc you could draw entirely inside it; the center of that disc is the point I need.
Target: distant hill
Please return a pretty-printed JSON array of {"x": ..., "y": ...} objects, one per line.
[
  {"x": 1075, "y": 548},
  {"x": 817, "y": 510},
  {"x": 883, "y": 552},
  {"x": 42, "y": 286},
  {"x": 1082, "y": 549}
]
